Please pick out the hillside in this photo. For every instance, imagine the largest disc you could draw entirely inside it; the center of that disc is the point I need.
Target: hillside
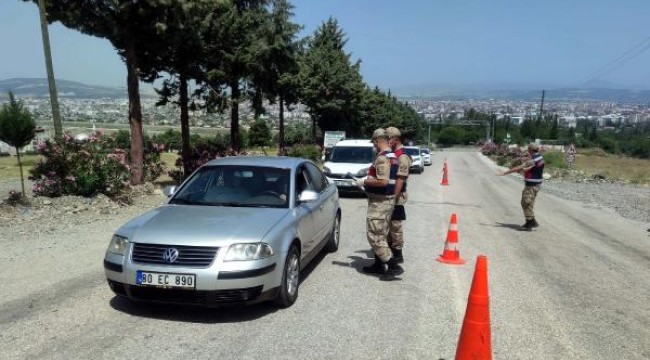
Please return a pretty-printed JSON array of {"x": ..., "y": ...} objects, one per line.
[{"x": 38, "y": 88}]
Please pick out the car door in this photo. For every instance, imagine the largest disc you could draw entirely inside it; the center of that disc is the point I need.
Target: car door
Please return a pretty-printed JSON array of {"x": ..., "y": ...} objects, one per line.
[
  {"x": 306, "y": 212},
  {"x": 325, "y": 205}
]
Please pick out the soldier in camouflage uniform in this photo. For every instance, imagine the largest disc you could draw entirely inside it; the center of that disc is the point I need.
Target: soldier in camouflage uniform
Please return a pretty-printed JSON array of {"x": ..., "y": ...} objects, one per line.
[
  {"x": 533, "y": 177},
  {"x": 396, "y": 234},
  {"x": 380, "y": 189}
]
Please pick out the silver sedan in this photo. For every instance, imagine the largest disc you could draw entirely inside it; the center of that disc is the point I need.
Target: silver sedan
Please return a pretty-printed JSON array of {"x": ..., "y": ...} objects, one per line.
[{"x": 237, "y": 231}]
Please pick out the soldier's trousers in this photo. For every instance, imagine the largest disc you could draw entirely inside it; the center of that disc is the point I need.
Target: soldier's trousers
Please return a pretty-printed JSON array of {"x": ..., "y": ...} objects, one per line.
[
  {"x": 396, "y": 234},
  {"x": 528, "y": 196},
  {"x": 378, "y": 216}
]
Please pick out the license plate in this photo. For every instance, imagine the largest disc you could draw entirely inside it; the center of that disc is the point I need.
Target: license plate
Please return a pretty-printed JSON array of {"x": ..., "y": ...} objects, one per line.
[
  {"x": 343, "y": 182},
  {"x": 185, "y": 281}
]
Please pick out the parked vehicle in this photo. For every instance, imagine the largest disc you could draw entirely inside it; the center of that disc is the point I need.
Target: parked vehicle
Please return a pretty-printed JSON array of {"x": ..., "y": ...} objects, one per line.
[
  {"x": 426, "y": 156},
  {"x": 238, "y": 231},
  {"x": 417, "y": 165},
  {"x": 349, "y": 160}
]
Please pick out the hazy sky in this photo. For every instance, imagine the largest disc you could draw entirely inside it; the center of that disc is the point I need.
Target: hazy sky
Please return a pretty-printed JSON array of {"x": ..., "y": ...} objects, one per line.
[{"x": 449, "y": 42}]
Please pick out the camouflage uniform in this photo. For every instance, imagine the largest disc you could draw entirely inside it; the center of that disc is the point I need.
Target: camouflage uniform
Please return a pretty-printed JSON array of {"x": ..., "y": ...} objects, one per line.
[
  {"x": 380, "y": 205},
  {"x": 533, "y": 178},
  {"x": 399, "y": 216}
]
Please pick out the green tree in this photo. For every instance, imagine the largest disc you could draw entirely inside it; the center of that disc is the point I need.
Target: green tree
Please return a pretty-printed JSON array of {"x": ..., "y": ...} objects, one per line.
[
  {"x": 233, "y": 50},
  {"x": 331, "y": 85},
  {"x": 277, "y": 76},
  {"x": 131, "y": 27},
  {"x": 181, "y": 37},
  {"x": 16, "y": 129},
  {"x": 259, "y": 134},
  {"x": 451, "y": 135},
  {"x": 554, "y": 129}
]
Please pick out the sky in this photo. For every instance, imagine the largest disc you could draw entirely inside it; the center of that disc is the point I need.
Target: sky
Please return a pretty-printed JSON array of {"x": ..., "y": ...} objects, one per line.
[{"x": 415, "y": 43}]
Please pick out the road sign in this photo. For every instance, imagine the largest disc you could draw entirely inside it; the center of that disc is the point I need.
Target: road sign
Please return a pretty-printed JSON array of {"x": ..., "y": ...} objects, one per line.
[{"x": 332, "y": 137}]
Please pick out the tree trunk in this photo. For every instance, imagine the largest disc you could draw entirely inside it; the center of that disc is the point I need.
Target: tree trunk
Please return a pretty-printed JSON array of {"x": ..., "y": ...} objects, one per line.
[
  {"x": 20, "y": 166},
  {"x": 234, "y": 116},
  {"x": 281, "y": 134},
  {"x": 54, "y": 100},
  {"x": 313, "y": 129},
  {"x": 185, "y": 127},
  {"x": 135, "y": 111}
]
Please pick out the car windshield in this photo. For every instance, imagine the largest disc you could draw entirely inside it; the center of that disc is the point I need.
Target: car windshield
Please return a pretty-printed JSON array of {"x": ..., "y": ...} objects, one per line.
[
  {"x": 412, "y": 151},
  {"x": 352, "y": 154},
  {"x": 238, "y": 186},
  {"x": 425, "y": 151}
]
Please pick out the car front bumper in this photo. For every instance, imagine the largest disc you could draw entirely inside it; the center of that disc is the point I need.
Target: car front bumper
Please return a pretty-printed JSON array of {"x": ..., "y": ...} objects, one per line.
[{"x": 221, "y": 283}]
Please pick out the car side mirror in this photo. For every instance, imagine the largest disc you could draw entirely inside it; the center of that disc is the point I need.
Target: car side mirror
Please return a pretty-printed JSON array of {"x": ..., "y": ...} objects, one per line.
[
  {"x": 169, "y": 190},
  {"x": 308, "y": 196}
]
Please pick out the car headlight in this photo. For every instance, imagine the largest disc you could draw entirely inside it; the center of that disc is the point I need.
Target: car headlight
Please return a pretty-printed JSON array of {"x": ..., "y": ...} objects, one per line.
[
  {"x": 362, "y": 173},
  {"x": 118, "y": 245},
  {"x": 327, "y": 170},
  {"x": 256, "y": 251}
]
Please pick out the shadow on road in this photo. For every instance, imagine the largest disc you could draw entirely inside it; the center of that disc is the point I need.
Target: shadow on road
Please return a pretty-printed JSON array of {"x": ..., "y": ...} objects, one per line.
[
  {"x": 516, "y": 227},
  {"x": 358, "y": 262},
  {"x": 229, "y": 314}
]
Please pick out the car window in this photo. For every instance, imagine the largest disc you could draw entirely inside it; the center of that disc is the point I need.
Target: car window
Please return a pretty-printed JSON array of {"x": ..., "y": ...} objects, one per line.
[
  {"x": 232, "y": 185},
  {"x": 302, "y": 181},
  {"x": 352, "y": 154},
  {"x": 316, "y": 177},
  {"x": 412, "y": 151}
]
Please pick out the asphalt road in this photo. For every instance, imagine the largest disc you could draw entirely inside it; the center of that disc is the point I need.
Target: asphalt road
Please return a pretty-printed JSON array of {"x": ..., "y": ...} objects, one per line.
[{"x": 575, "y": 288}]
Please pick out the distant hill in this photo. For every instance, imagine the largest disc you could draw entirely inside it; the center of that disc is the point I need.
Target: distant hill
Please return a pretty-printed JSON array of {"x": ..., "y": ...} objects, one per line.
[
  {"x": 523, "y": 94},
  {"x": 39, "y": 88}
]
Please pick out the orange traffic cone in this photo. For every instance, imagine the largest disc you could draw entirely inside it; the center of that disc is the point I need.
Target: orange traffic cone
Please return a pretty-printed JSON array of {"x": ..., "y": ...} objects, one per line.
[
  {"x": 475, "y": 341},
  {"x": 445, "y": 181},
  {"x": 451, "y": 255}
]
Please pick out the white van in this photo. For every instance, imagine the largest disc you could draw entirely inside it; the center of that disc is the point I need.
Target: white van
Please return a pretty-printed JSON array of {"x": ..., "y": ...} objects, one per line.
[{"x": 349, "y": 160}]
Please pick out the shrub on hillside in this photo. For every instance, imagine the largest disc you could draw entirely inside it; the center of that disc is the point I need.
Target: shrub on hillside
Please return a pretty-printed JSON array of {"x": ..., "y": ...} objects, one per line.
[
  {"x": 310, "y": 152},
  {"x": 86, "y": 168}
]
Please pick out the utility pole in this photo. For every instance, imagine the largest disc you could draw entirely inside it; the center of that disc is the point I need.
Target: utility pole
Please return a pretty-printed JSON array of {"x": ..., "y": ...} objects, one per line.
[
  {"x": 541, "y": 108},
  {"x": 54, "y": 101}
]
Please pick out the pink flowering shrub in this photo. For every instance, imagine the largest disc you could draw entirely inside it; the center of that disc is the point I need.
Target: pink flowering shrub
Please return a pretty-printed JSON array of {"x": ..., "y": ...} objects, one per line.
[{"x": 93, "y": 166}]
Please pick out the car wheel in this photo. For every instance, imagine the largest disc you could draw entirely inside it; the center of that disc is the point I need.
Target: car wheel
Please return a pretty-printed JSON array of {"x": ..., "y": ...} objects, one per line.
[
  {"x": 288, "y": 292},
  {"x": 333, "y": 242}
]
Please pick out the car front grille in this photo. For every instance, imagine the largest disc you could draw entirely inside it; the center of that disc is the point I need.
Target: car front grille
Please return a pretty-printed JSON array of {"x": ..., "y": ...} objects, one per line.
[
  {"x": 193, "y": 297},
  {"x": 188, "y": 256}
]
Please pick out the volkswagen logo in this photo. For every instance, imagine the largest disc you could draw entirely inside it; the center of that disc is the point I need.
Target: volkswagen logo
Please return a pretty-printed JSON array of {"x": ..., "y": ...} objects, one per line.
[{"x": 170, "y": 255}]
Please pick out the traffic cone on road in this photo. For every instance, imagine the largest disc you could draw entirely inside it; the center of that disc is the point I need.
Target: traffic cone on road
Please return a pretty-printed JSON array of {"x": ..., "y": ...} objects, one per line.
[
  {"x": 475, "y": 341},
  {"x": 451, "y": 255},
  {"x": 445, "y": 180}
]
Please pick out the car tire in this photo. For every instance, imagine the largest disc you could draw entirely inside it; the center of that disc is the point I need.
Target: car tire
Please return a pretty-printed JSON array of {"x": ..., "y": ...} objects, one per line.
[
  {"x": 288, "y": 292},
  {"x": 335, "y": 236}
]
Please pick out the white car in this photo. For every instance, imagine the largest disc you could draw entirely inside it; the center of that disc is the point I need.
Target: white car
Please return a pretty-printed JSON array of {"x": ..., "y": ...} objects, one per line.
[
  {"x": 417, "y": 164},
  {"x": 348, "y": 161},
  {"x": 426, "y": 156}
]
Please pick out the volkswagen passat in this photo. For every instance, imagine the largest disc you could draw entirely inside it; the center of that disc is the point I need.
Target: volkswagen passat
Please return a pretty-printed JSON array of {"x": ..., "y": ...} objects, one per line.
[{"x": 237, "y": 231}]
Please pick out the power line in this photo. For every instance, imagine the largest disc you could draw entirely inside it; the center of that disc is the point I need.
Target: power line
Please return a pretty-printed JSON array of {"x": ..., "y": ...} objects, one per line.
[{"x": 628, "y": 55}]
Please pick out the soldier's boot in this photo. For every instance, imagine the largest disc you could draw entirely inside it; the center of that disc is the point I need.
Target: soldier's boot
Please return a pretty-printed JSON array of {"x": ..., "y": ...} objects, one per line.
[
  {"x": 397, "y": 254},
  {"x": 392, "y": 270},
  {"x": 528, "y": 225},
  {"x": 378, "y": 267},
  {"x": 534, "y": 223}
]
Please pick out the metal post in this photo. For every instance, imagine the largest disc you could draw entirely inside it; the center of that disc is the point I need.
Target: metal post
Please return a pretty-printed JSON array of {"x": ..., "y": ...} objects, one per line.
[{"x": 54, "y": 101}]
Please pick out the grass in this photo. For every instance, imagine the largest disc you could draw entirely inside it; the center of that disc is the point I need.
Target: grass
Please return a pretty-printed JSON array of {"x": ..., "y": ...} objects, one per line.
[
  {"x": 9, "y": 169},
  {"x": 636, "y": 171}
]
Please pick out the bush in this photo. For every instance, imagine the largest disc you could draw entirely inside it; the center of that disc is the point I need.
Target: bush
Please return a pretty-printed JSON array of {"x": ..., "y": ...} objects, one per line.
[
  {"x": 310, "y": 152},
  {"x": 86, "y": 168},
  {"x": 555, "y": 159}
]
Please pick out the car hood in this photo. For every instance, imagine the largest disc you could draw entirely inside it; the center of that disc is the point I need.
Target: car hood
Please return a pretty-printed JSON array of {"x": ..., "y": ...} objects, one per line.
[
  {"x": 201, "y": 225},
  {"x": 344, "y": 168}
]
